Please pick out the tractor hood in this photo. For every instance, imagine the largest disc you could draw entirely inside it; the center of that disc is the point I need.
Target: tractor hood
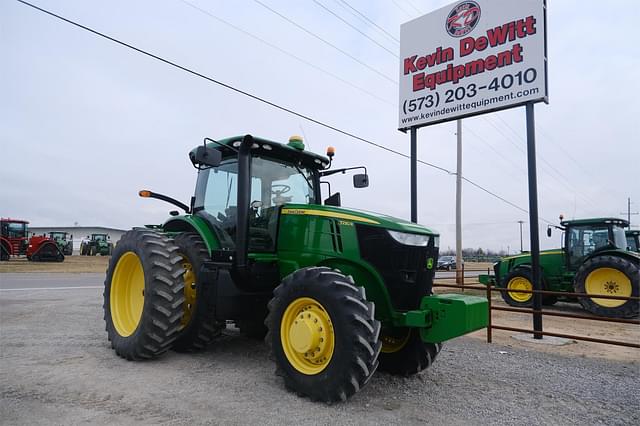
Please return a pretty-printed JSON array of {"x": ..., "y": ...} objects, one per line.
[
  {"x": 528, "y": 254},
  {"x": 358, "y": 216}
]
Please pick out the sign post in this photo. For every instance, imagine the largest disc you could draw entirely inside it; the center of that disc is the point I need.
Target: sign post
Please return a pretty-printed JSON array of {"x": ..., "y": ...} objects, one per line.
[{"x": 474, "y": 57}]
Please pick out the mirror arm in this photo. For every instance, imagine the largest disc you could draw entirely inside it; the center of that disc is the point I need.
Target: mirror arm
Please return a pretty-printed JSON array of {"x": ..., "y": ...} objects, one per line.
[
  {"x": 329, "y": 185},
  {"x": 149, "y": 194},
  {"x": 333, "y": 172}
]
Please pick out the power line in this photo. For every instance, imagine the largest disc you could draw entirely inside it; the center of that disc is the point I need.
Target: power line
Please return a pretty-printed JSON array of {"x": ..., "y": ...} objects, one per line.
[
  {"x": 568, "y": 183},
  {"x": 414, "y": 7},
  {"x": 292, "y": 22},
  {"x": 395, "y": 55},
  {"x": 267, "y": 102},
  {"x": 281, "y": 50},
  {"x": 402, "y": 8},
  {"x": 366, "y": 18}
]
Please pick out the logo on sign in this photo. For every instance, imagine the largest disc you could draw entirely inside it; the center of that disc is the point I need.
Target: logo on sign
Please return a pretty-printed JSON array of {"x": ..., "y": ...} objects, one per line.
[{"x": 463, "y": 18}]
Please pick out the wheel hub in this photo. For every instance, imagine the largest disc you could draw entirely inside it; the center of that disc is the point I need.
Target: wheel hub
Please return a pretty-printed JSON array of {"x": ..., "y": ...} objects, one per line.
[
  {"x": 307, "y": 336},
  {"x": 520, "y": 283},
  {"x": 610, "y": 282},
  {"x": 189, "y": 279},
  {"x": 127, "y": 294}
]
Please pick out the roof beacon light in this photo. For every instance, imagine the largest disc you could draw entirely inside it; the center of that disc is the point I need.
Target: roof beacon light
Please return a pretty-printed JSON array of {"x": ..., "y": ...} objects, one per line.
[{"x": 296, "y": 142}]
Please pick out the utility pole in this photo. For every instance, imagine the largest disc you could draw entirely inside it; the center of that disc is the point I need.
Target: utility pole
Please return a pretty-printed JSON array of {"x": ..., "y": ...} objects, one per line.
[
  {"x": 521, "y": 248},
  {"x": 629, "y": 212},
  {"x": 459, "y": 262}
]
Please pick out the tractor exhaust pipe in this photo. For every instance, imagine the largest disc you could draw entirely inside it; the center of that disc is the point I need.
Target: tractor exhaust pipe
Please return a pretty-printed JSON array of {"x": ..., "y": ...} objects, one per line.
[{"x": 244, "y": 199}]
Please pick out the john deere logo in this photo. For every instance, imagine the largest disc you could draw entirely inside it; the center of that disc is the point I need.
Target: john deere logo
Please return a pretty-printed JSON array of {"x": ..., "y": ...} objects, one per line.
[
  {"x": 463, "y": 18},
  {"x": 430, "y": 263}
]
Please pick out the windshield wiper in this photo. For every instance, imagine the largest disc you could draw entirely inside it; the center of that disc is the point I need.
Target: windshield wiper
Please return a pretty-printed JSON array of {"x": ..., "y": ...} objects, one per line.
[{"x": 305, "y": 178}]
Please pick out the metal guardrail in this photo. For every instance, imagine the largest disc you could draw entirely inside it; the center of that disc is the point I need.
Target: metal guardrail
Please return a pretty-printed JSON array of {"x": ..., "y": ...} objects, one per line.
[{"x": 490, "y": 327}]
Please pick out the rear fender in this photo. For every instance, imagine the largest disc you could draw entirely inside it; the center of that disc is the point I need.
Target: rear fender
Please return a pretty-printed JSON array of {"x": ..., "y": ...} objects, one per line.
[
  {"x": 628, "y": 255},
  {"x": 189, "y": 223},
  {"x": 368, "y": 278}
]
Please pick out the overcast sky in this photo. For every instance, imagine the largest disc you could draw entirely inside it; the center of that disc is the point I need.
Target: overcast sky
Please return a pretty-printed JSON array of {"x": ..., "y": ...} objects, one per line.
[{"x": 85, "y": 123}]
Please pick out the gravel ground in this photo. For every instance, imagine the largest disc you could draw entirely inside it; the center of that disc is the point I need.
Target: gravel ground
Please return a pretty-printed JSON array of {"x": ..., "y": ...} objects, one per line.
[{"x": 56, "y": 367}]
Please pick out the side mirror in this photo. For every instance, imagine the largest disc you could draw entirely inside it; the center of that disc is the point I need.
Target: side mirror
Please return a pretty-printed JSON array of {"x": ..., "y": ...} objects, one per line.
[
  {"x": 334, "y": 200},
  {"x": 549, "y": 231},
  {"x": 360, "y": 181},
  {"x": 205, "y": 156}
]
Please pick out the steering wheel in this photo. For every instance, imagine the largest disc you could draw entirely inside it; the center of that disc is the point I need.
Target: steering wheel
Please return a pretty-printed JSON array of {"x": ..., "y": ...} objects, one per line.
[{"x": 280, "y": 189}]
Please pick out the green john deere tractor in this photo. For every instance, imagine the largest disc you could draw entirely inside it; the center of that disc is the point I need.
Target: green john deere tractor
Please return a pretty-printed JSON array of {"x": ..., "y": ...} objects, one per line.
[
  {"x": 96, "y": 244},
  {"x": 65, "y": 245},
  {"x": 633, "y": 240},
  {"x": 338, "y": 293},
  {"x": 594, "y": 260}
]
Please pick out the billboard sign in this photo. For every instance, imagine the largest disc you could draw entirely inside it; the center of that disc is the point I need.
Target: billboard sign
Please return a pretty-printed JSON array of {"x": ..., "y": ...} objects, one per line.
[{"x": 472, "y": 57}]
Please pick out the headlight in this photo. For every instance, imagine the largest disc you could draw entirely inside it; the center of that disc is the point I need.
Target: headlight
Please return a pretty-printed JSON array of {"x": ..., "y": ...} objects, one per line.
[{"x": 410, "y": 239}]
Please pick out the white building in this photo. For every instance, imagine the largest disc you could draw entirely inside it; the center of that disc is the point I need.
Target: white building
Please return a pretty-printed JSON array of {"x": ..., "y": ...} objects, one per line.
[{"x": 80, "y": 233}]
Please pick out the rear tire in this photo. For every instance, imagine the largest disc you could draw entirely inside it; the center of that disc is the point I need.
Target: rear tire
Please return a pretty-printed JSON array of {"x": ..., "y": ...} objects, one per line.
[
  {"x": 143, "y": 295},
  {"x": 4, "y": 253},
  {"x": 404, "y": 353},
  {"x": 199, "y": 324},
  {"x": 323, "y": 334},
  {"x": 613, "y": 276}
]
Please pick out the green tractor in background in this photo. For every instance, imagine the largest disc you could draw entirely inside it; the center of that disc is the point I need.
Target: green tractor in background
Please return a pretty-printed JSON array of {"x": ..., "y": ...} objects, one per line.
[
  {"x": 337, "y": 292},
  {"x": 65, "y": 245},
  {"x": 96, "y": 244},
  {"x": 593, "y": 260},
  {"x": 633, "y": 240}
]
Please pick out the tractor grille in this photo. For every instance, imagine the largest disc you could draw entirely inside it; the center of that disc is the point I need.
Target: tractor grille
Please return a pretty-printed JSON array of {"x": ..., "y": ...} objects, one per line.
[{"x": 403, "y": 268}]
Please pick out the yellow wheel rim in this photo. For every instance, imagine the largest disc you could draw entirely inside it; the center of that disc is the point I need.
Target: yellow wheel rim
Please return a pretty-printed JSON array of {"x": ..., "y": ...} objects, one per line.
[
  {"x": 519, "y": 283},
  {"x": 189, "y": 278},
  {"x": 393, "y": 342},
  {"x": 609, "y": 282},
  {"x": 126, "y": 297},
  {"x": 307, "y": 336}
]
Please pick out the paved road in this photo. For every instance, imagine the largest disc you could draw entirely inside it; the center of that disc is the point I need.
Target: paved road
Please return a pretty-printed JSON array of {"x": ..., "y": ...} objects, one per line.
[
  {"x": 452, "y": 274},
  {"x": 43, "y": 281}
]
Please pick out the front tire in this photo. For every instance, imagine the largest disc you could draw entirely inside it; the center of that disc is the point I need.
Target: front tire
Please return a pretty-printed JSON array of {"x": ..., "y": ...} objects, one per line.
[
  {"x": 323, "y": 334},
  {"x": 518, "y": 279},
  {"x": 143, "y": 295},
  {"x": 404, "y": 353},
  {"x": 613, "y": 276}
]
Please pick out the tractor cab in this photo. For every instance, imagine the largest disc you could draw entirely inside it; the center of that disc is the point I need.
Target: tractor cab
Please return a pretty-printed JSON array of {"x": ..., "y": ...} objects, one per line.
[
  {"x": 13, "y": 237},
  {"x": 64, "y": 240},
  {"x": 584, "y": 237},
  {"x": 58, "y": 236},
  {"x": 633, "y": 240}
]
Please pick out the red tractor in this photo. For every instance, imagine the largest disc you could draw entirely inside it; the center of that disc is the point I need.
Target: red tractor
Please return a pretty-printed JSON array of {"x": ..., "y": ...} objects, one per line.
[{"x": 13, "y": 242}]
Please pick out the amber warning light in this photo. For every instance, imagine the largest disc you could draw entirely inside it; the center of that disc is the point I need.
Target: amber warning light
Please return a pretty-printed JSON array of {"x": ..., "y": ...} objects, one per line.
[
  {"x": 145, "y": 193},
  {"x": 331, "y": 151}
]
